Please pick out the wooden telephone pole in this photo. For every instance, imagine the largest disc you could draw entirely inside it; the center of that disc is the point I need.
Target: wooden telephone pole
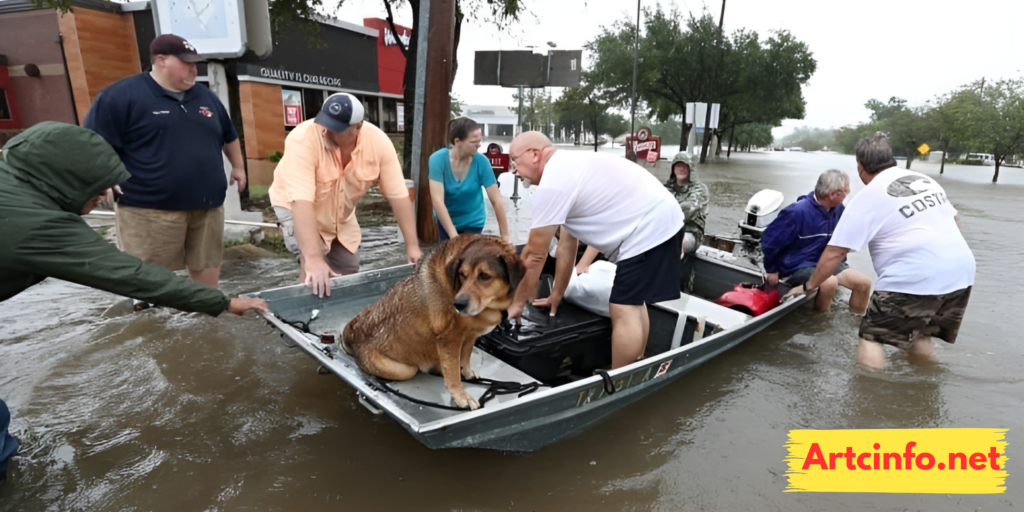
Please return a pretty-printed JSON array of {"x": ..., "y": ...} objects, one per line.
[
  {"x": 433, "y": 102},
  {"x": 714, "y": 81}
]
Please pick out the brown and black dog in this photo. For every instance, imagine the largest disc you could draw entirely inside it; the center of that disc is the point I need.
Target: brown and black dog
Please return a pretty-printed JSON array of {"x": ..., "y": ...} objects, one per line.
[{"x": 430, "y": 320}]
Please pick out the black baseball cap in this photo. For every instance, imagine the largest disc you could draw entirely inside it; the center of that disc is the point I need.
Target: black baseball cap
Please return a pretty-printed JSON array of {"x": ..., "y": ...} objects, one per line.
[
  {"x": 170, "y": 44},
  {"x": 340, "y": 111}
]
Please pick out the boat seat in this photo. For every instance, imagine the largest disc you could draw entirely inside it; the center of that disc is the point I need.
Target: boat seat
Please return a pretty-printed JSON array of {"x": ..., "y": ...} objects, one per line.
[{"x": 695, "y": 307}]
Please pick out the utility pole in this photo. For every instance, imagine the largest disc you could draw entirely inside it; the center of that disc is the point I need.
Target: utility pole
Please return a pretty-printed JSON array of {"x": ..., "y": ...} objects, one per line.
[
  {"x": 437, "y": 21},
  {"x": 515, "y": 183},
  {"x": 714, "y": 81},
  {"x": 630, "y": 154}
]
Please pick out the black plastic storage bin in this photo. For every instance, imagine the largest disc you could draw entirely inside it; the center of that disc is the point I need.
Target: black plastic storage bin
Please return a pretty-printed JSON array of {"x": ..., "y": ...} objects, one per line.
[{"x": 550, "y": 349}]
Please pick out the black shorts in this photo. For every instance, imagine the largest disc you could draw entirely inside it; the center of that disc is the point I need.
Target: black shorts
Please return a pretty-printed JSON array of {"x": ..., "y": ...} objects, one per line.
[
  {"x": 652, "y": 276},
  {"x": 899, "y": 318}
]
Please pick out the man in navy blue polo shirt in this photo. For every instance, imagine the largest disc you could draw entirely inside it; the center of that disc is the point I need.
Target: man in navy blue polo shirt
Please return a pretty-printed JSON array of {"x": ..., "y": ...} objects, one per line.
[{"x": 170, "y": 136}]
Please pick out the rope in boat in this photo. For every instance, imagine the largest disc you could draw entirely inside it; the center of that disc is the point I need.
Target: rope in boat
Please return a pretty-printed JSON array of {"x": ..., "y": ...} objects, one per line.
[
  {"x": 495, "y": 388},
  {"x": 609, "y": 386},
  {"x": 298, "y": 324}
]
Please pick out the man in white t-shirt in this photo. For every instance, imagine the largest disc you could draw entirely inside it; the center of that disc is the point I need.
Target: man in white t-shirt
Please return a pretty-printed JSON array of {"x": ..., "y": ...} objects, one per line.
[
  {"x": 614, "y": 206},
  {"x": 925, "y": 268}
]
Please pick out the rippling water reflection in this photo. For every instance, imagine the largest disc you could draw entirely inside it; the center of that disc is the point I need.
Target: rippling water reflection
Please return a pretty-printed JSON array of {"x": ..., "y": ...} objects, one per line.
[{"x": 170, "y": 411}]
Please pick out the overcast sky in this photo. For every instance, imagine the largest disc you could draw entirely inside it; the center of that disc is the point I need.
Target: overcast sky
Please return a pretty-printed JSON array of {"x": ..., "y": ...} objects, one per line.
[{"x": 914, "y": 49}]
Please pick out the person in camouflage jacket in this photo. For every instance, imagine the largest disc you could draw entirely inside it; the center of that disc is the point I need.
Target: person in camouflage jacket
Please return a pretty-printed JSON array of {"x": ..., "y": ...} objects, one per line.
[
  {"x": 693, "y": 198},
  {"x": 691, "y": 194}
]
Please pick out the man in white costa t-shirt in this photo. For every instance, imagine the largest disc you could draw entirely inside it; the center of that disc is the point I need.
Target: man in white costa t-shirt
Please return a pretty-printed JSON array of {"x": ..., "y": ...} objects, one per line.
[
  {"x": 925, "y": 268},
  {"x": 610, "y": 204}
]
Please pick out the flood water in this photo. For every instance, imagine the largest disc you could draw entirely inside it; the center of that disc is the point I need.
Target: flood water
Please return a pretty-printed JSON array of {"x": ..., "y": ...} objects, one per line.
[{"x": 168, "y": 411}]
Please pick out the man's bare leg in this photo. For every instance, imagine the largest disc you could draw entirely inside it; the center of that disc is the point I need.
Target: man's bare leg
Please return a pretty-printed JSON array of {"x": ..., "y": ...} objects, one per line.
[
  {"x": 627, "y": 334},
  {"x": 207, "y": 276},
  {"x": 826, "y": 292},
  {"x": 860, "y": 289},
  {"x": 871, "y": 354},
  {"x": 922, "y": 349}
]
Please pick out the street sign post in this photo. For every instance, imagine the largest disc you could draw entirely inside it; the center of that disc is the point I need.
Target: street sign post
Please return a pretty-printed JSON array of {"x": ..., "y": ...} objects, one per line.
[
  {"x": 644, "y": 145},
  {"x": 215, "y": 27}
]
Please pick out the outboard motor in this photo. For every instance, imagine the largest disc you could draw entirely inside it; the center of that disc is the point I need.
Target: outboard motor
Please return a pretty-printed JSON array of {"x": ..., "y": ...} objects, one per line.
[{"x": 761, "y": 210}]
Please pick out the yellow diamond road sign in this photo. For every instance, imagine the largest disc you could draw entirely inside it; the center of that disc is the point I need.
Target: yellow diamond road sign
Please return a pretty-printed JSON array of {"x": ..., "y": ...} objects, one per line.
[{"x": 924, "y": 149}]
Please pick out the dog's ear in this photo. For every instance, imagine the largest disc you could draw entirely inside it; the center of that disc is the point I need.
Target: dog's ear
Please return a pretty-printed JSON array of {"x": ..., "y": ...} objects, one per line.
[
  {"x": 452, "y": 270},
  {"x": 513, "y": 267}
]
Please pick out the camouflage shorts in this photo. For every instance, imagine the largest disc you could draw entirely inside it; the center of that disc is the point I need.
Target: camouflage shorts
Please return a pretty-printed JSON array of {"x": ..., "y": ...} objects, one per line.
[{"x": 899, "y": 318}]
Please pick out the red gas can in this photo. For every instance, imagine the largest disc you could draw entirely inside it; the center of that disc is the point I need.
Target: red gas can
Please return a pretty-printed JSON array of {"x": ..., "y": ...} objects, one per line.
[{"x": 750, "y": 298}]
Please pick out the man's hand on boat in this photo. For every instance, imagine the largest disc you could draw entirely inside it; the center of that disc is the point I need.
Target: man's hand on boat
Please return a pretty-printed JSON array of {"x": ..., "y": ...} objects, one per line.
[
  {"x": 318, "y": 276},
  {"x": 239, "y": 305},
  {"x": 515, "y": 313},
  {"x": 772, "y": 279},
  {"x": 797, "y": 291},
  {"x": 552, "y": 301}
]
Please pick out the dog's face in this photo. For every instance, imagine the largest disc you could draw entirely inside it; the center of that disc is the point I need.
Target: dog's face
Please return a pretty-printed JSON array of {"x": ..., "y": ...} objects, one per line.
[{"x": 484, "y": 276}]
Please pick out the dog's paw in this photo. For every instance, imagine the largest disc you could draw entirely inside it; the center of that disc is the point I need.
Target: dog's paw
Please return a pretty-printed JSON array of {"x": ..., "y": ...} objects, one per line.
[
  {"x": 469, "y": 373},
  {"x": 465, "y": 400}
]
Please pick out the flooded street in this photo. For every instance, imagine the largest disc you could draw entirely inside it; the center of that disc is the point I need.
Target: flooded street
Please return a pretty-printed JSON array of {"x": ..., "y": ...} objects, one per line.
[{"x": 167, "y": 411}]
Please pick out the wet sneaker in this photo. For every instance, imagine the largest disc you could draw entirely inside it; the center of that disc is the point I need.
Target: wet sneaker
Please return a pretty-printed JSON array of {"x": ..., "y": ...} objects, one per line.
[{"x": 139, "y": 305}]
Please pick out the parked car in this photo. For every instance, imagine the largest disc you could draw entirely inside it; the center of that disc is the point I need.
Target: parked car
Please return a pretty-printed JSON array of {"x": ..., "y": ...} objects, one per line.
[{"x": 979, "y": 159}]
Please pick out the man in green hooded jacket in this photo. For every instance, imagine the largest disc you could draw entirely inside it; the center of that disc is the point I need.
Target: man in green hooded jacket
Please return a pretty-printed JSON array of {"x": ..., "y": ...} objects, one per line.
[{"x": 51, "y": 175}]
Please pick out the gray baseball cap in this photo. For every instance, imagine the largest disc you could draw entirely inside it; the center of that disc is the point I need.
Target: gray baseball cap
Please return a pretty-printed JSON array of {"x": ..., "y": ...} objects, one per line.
[{"x": 340, "y": 111}]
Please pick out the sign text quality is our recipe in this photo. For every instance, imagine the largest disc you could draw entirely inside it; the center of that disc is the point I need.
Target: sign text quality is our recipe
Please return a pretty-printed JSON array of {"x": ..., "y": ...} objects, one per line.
[{"x": 947, "y": 461}]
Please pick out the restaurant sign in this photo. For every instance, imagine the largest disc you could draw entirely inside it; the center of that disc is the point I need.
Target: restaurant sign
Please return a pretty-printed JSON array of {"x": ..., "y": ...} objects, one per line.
[{"x": 305, "y": 78}]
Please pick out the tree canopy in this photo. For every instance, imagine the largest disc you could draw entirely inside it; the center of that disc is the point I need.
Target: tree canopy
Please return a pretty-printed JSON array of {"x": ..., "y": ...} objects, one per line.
[
  {"x": 985, "y": 117},
  {"x": 760, "y": 79},
  {"x": 584, "y": 106},
  {"x": 808, "y": 139}
]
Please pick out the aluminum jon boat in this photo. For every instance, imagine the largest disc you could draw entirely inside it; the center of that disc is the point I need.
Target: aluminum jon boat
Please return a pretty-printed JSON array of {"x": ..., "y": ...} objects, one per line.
[{"x": 684, "y": 333}]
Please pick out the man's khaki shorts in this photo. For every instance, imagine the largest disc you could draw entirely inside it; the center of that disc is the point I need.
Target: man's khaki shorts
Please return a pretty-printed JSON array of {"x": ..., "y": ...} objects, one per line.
[
  {"x": 192, "y": 239},
  {"x": 899, "y": 318},
  {"x": 341, "y": 260}
]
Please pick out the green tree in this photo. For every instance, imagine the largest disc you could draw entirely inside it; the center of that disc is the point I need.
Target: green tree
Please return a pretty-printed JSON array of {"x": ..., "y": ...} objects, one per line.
[
  {"x": 990, "y": 118},
  {"x": 583, "y": 105},
  {"x": 846, "y": 138},
  {"x": 760, "y": 80},
  {"x": 907, "y": 127},
  {"x": 751, "y": 135},
  {"x": 951, "y": 132},
  {"x": 538, "y": 110},
  {"x": 810, "y": 139}
]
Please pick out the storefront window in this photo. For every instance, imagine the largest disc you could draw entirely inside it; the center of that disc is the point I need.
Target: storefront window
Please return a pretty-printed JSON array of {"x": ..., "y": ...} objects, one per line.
[
  {"x": 370, "y": 104},
  {"x": 292, "y": 100},
  {"x": 5, "y": 110},
  {"x": 313, "y": 99},
  {"x": 389, "y": 123}
]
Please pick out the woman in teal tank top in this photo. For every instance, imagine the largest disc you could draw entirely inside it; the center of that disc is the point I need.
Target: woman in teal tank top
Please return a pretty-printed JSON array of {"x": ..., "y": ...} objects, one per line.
[{"x": 456, "y": 176}]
